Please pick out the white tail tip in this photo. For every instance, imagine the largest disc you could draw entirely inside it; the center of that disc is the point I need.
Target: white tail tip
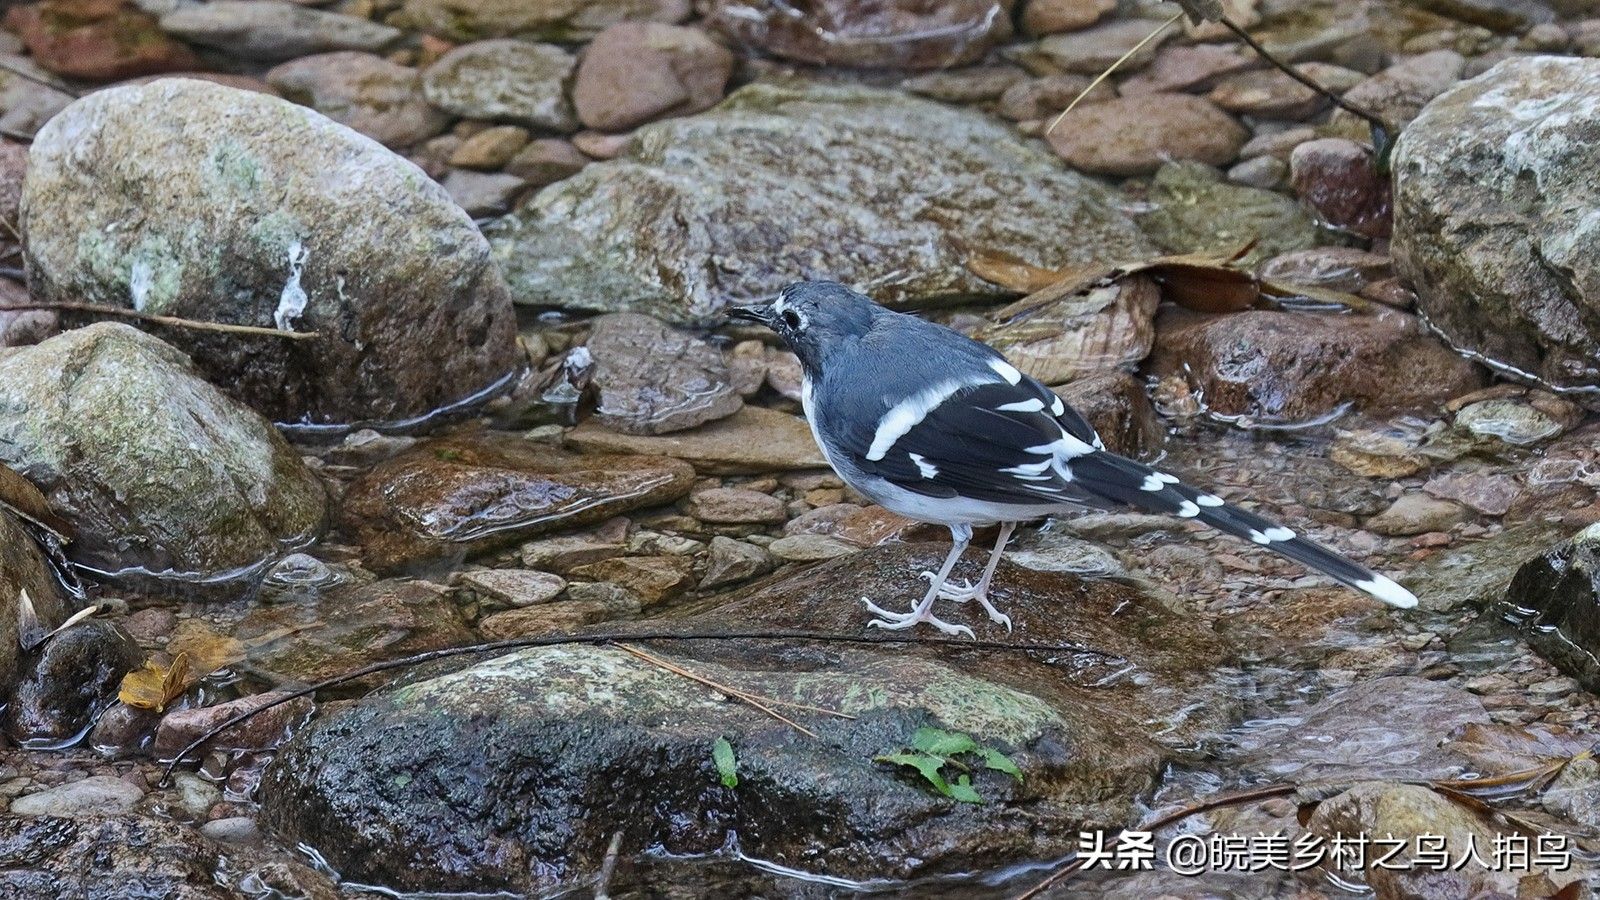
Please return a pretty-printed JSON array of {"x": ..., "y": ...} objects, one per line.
[{"x": 1389, "y": 592}]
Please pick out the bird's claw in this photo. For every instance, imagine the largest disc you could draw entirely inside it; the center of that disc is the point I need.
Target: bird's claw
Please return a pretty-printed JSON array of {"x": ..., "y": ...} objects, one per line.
[
  {"x": 960, "y": 593},
  {"x": 893, "y": 621}
]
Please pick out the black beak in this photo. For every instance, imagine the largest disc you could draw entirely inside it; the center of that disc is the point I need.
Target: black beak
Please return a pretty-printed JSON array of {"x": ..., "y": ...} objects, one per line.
[{"x": 760, "y": 313}]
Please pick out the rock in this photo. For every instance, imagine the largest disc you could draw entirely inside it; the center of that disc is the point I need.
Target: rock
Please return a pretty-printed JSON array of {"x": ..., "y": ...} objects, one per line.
[
  {"x": 123, "y": 731},
  {"x": 1490, "y": 494},
  {"x": 1555, "y": 602},
  {"x": 482, "y": 193},
  {"x": 655, "y": 380},
  {"x": 1284, "y": 367},
  {"x": 1399, "y": 92},
  {"x": 1418, "y": 514},
  {"x": 1043, "y": 98},
  {"x": 1338, "y": 179},
  {"x": 556, "y": 20},
  {"x": 1054, "y": 16},
  {"x": 564, "y": 617},
  {"x": 98, "y": 44},
  {"x": 1273, "y": 94},
  {"x": 731, "y": 561},
  {"x": 196, "y": 795},
  {"x": 1517, "y": 421},
  {"x": 518, "y": 587},
  {"x": 490, "y": 148},
  {"x": 93, "y": 796},
  {"x": 1492, "y": 216},
  {"x": 1116, "y": 405},
  {"x": 1407, "y": 813},
  {"x": 461, "y": 496},
  {"x": 546, "y": 161},
  {"x": 810, "y": 548},
  {"x": 1109, "y": 327},
  {"x": 1136, "y": 135},
  {"x": 635, "y": 72},
  {"x": 19, "y": 328},
  {"x": 895, "y": 34},
  {"x": 1093, "y": 50},
  {"x": 652, "y": 578},
  {"x": 597, "y": 723},
  {"x": 736, "y": 506},
  {"x": 1499, "y": 15},
  {"x": 1197, "y": 212},
  {"x": 1575, "y": 793},
  {"x": 975, "y": 84},
  {"x": 23, "y": 568},
  {"x": 347, "y": 628},
  {"x": 564, "y": 553},
  {"x": 1475, "y": 576},
  {"x": 27, "y": 104},
  {"x": 239, "y": 830},
  {"x": 370, "y": 94},
  {"x": 856, "y": 183},
  {"x": 751, "y": 441},
  {"x": 69, "y": 681},
  {"x": 1388, "y": 727},
  {"x": 1187, "y": 68},
  {"x": 264, "y": 731},
  {"x": 269, "y": 215},
  {"x": 159, "y": 472},
  {"x": 504, "y": 81},
  {"x": 1052, "y": 551},
  {"x": 1333, "y": 268},
  {"x": 272, "y": 30}
]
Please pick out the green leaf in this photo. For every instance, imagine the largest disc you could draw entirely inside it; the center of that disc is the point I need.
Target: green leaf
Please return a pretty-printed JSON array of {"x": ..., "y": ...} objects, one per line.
[
  {"x": 962, "y": 791},
  {"x": 999, "y": 762},
  {"x": 727, "y": 765},
  {"x": 927, "y": 765},
  {"x": 943, "y": 744}
]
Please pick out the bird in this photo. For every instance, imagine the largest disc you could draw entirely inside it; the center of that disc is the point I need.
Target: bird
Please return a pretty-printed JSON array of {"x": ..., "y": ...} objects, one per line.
[{"x": 942, "y": 429}]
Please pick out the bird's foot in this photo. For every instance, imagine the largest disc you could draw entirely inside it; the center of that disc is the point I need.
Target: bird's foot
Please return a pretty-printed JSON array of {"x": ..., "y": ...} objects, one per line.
[
  {"x": 965, "y": 591},
  {"x": 893, "y": 621}
]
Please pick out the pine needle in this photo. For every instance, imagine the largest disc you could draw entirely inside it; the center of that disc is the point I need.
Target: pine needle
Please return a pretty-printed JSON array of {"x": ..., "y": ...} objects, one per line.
[{"x": 1112, "y": 68}]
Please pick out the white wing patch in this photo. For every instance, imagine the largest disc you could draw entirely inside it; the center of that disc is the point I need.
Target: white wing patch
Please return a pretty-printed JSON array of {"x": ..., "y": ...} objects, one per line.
[
  {"x": 1006, "y": 370},
  {"x": 928, "y": 469},
  {"x": 906, "y": 414},
  {"x": 1025, "y": 406}
]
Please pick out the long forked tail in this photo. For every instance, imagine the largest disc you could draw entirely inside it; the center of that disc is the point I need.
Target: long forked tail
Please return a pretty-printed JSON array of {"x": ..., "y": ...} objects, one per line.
[{"x": 1124, "y": 481}]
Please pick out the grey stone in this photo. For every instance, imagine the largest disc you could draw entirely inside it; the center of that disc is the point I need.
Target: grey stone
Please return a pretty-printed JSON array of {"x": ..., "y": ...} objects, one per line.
[
  {"x": 273, "y": 30},
  {"x": 95, "y": 795},
  {"x": 557, "y": 20},
  {"x": 482, "y": 193},
  {"x": 504, "y": 81},
  {"x": 731, "y": 561},
  {"x": 381, "y": 99},
  {"x": 654, "y": 379}
]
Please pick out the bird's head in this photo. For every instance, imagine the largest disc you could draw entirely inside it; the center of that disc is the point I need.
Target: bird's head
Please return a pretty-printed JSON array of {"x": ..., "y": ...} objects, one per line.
[{"x": 815, "y": 318}]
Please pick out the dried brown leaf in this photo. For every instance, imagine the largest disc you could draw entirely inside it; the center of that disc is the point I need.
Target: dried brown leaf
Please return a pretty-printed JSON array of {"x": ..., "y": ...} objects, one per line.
[
  {"x": 207, "y": 650},
  {"x": 1009, "y": 271},
  {"x": 19, "y": 495},
  {"x": 153, "y": 686}
]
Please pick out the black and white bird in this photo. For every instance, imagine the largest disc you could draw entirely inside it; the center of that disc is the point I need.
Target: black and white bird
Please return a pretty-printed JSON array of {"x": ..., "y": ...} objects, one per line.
[{"x": 940, "y": 428}]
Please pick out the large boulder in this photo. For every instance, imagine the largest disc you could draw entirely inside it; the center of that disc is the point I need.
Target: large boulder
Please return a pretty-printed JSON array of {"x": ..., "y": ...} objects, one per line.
[
  {"x": 158, "y": 471},
  {"x": 781, "y": 182},
  {"x": 1497, "y": 216},
  {"x": 1555, "y": 599},
  {"x": 189, "y": 199},
  {"x": 487, "y": 778}
]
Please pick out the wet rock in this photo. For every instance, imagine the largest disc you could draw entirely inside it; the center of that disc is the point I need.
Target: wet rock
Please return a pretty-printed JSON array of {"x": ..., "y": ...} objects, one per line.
[
  {"x": 504, "y": 81},
  {"x": 157, "y": 470},
  {"x": 97, "y": 42},
  {"x": 897, "y": 34},
  {"x": 482, "y": 193},
  {"x": 564, "y": 553},
  {"x": 467, "y": 20},
  {"x": 654, "y": 379},
  {"x": 1196, "y": 211},
  {"x": 1274, "y": 94},
  {"x": 736, "y": 506},
  {"x": 270, "y": 215},
  {"x": 1575, "y": 793},
  {"x": 69, "y": 681},
  {"x": 1265, "y": 172},
  {"x": 92, "y": 796},
  {"x": 1514, "y": 416},
  {"x": 1488, "y": 493},
  {"x": 1109, "y": 327},
  {"x": 1383, "y": 728},
  {"x": 1187, "y": 68},
  {"x": 730, "y": 562},
  {"x": 1409, "y": 811},
  {"x": 490, "y": 148},
  {"x": 1043, "y": 98},
  {"x": 118, "y": 856},
  {"x": 1418, "y": 514},
  {"x": 1054, "y": 16},
  {"x": 123, "y": 731},
  {"x": 1491, "y": 187},
  {"x": 349, "y": 628},
  {"x": 238, "y": 830},
  {"x": 372, "y": 95},
  {"x": 546, "y": 161},
  {"x": 27, "y": 103},
  {"x": 272, "y": 30},
  {"x": 751, "y": 441},
  {"x": 595, "y": 603},
  {"x": 1293, "y": 367},
  {"x": 264, "y": 731},
  {"x": 976, "y": 84},
  {"x": 460, "y": 496},
  {"x": 1476, "y": 575},
  {"x": 1052, "y": 551},
  {"x": 517, "y": 587},
  {"x": 1334, "y": 268},
  {"x": 1555, "y": 600},
  {"x": 1136, "y": 135},
  {"x": 857, "y": 183},
  {"x": 636, "y": 72},
  {"x": 1120, "y": 411},
  {"x": 1093, "y": 50},
  {"x": 599, "y": 723},
  {"x": 1499, "y": 15},
  {"x": 652, "y": 578},
  {"x": 1399, "y": 92},
  {"x": 1339, "y": 180}
]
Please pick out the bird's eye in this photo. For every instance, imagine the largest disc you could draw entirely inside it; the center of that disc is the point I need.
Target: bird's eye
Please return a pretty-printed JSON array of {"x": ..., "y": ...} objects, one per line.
[{"x": 791, "y": 318}]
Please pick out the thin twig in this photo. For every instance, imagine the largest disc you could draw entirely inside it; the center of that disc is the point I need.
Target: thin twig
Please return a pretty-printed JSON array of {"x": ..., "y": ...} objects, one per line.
[
  {"x": 1109, "y": 69},
  {"x": 1076, "y": 863},
  {"x": 172, "y": 321},
  {"x": 717, "y": 686},
  {"x": 608, "y": 638},
  {"x": 602, "y": 884}
]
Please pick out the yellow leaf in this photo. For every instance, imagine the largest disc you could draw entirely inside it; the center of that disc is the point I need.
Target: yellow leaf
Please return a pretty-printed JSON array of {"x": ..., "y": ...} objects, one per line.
[
  {"x": 154, "y": 686},
  {"x": 207, "y": 650}
]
